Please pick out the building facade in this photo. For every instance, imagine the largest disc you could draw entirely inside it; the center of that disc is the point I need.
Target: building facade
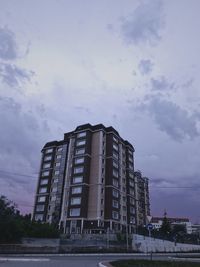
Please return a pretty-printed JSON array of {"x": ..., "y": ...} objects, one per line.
[
  {"x": 142, "y": 198},
  {"x": 87, "y": 182}
]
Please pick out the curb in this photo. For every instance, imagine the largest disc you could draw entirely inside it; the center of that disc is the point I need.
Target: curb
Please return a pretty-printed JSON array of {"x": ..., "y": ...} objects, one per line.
[
  {"x": 104, "y": 264},
  {"x": 69, "y": 254}
]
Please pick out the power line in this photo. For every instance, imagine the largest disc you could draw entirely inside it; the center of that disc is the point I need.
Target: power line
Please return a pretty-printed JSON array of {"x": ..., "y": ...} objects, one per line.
[
  {"x": 18, "y": 174},
  {"x": 152, "y": 186},
  {"x": 176, "y": 187}
]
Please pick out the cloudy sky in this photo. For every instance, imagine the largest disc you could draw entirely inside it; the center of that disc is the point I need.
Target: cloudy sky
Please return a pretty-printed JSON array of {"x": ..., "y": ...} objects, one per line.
[{"x": 130, "y": 64}]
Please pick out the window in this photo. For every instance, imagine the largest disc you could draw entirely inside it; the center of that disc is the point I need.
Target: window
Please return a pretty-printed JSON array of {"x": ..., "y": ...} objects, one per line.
[
  {"x": 130, "y": 166},
  {"x": 43, "y": 181},
  {"x": 131, "y": 175},
  {"x": 75, "y": 201},
  {"x": 115, "y": 164},
  {"x": 83, "y": 134},
  {"x": 77, "y": 179},
  {"x": 131, "y": 183},
  {"x": 115, "y": 203},
  {"x": 131, "y": 191},
  {"x": 56, "y": 172},
  {"x": 115, "y": 146},
  {"x": 80, "y": 151},
  {"x": 53, "y": 198},
  {"x": 132, "y": 210},
  {"x": 49, "y": 217},
  {"x": 79, "y": 160},
  {"x": 59, "y": 149},
  {"x": 54, "y": 189},
  {"x": 115, "y": 182},
  {"x": 115, "y": 215},
  {"x": 57, "y": 164},
  {"x": 55, "y": 180},
  {"x": 58, "y": 156},
  {"x": 75, "y": 212},
  {"x": 40, "y": 208},
  {"x": 41, "y": 199},
  {"x": 46, "y": 165},
  {"x": 115, "y": 139},
  {"x": 124, "y": 208},
  {"x": 47, "y": 158},
  {"x": 115, "y": 193},
  {"x": 124, "y": 218},
  {"x": 45, "y": 173},
  {"x": 78, "y": 170},
  {"x": 115, "y": 173},
  {"x": 38, "y": 217},
  {"x": 43, "y": 190},
  {"x": 115, "y": 155},
  {"x": 130, "y": 153},
  {"x": 132, "y": 220},
  {"x": 77, "y": 190},
  {"x": 80, "y": 142},
  {"x": 49, "y": 150},
  {"x": 130, "y": 158},
  {"x": 132, "y": 201}
]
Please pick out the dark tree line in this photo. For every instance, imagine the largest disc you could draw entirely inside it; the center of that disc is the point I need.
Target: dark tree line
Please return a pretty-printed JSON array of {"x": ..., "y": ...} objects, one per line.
[{"x": 14, "y": 226}]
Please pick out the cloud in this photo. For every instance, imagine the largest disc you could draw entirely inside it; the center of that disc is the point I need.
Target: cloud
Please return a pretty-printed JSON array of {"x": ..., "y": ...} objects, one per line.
[
  {"x": 82, "y": 109},
  {"x": 20, "y": 134},
  {"x": 10, "y": 73},
  {"x": 145, "y": 66},
  {"x": 110, "y": 27},
  {"x": 13, "y": 76},
  {"x": 172, "y": 119},
  {"x": 161, "y": 84},
  {"x": 145, "y": 24},
  {"x": 23, "y": 132},
  {"x": 8, "y": 46}
]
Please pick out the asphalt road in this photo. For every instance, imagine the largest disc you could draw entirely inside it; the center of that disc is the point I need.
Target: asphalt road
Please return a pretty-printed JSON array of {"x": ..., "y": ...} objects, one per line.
[{"x": 71, "y": 260}]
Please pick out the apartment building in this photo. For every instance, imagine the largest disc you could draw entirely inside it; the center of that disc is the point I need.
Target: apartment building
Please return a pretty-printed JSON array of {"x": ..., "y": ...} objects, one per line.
[
  {"x": 141, "y": 198},
  {"x": 87, "y": 182}
]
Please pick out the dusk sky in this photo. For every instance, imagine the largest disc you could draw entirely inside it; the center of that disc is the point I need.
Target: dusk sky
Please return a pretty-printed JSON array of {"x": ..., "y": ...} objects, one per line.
[{"x": 130, "y": 64}]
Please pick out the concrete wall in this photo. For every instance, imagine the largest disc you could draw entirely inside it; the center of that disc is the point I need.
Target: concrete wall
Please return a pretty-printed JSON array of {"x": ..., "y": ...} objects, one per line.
[
  {"x": 147, "y": 244},
  {"x": 32, "y": 245},
  {"x": 48, "y": 242}
]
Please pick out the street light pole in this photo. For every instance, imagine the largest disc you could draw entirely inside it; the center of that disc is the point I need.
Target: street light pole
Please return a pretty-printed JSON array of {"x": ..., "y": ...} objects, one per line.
[
  {"x": 127, "y": 246},
  {"x": 108, "y": 237}
]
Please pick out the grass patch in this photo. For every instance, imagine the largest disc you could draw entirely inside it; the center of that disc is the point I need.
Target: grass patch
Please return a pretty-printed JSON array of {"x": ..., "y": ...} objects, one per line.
[
  {"x": 147, "y": 263},
  {"x": 188, "y": 256}
]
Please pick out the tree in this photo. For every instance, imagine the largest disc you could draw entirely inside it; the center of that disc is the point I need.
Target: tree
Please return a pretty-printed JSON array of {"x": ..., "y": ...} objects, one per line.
[
  {"x": 165, "y": 229},
  {"x": 40, "y": 230},
  {"x": 14, "y": 226},
  {"x": 179, "y": 229},
  {"x": 10, "y": 223}
]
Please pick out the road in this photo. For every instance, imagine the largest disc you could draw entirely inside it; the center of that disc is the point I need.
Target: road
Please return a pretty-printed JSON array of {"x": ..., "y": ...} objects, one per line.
[{"x": 71, "y": 260}]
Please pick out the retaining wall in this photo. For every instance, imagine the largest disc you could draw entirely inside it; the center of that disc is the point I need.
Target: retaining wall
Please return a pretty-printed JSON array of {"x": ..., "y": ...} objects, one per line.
[{"x": 146, "y": 244}]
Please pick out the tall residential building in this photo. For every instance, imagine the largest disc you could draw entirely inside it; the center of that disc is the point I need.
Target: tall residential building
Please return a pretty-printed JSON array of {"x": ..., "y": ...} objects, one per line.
[
  {"x": 142, "y": 199},
  {"x": 87, "y": 183}
]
